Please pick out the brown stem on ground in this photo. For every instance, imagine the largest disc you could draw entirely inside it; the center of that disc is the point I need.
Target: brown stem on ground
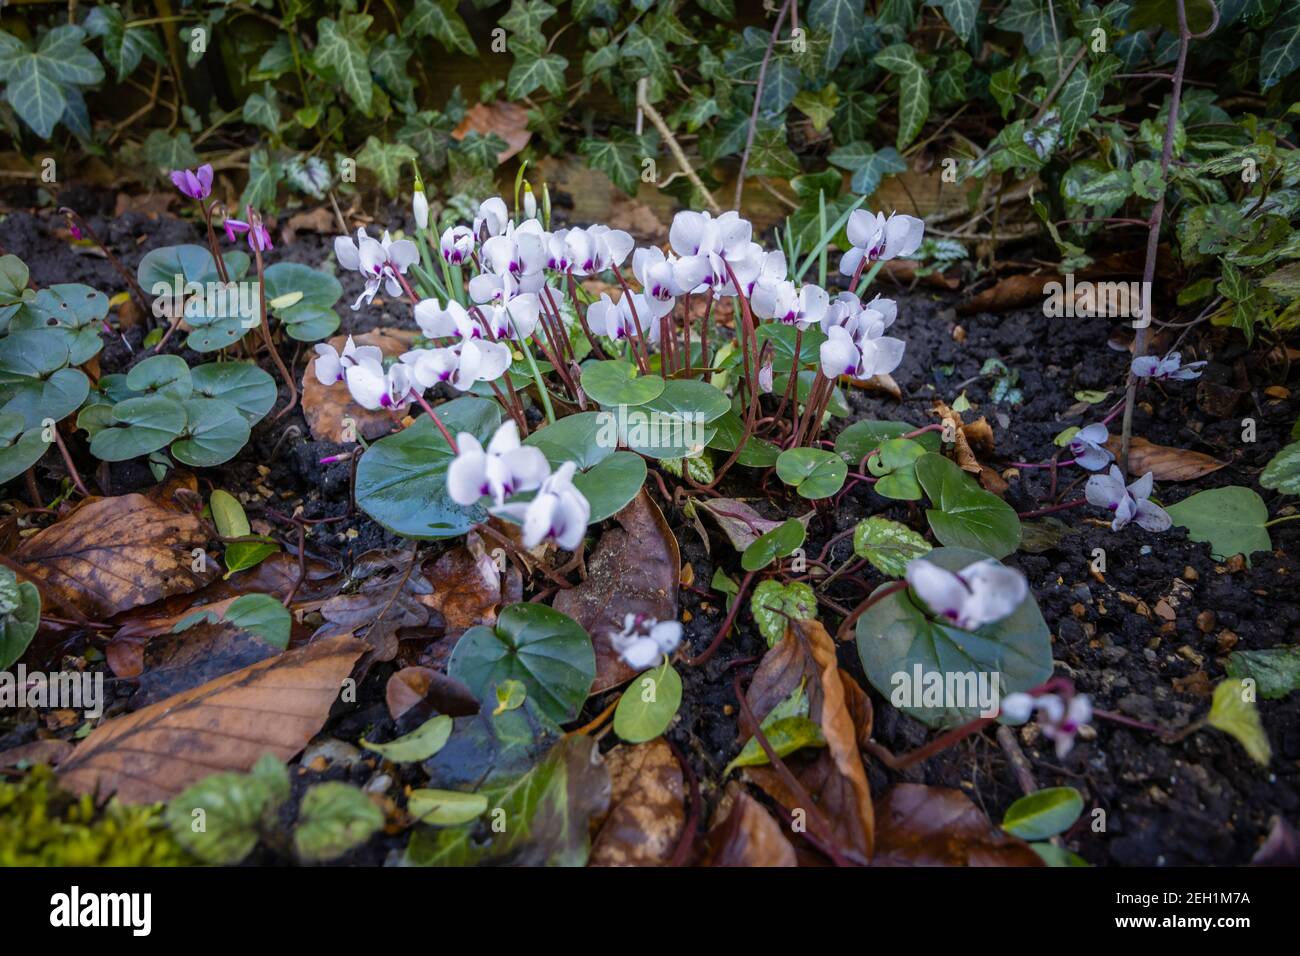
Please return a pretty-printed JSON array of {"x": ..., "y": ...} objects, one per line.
[{"x": 712, "y": 649}]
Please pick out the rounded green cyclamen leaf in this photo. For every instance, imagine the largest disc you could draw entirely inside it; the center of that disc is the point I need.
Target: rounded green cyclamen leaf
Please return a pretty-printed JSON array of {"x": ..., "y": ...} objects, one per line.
[
  {"x": 547, "y": 651},
  {"x": 214, "y": 433},
  {"x": 888, "y": 545},
  {"x": 402, "y": 479},
  {"x": 161, "y": 269},
  {"x": 858, "y": 439},
  {"x": 1231, "y": 519},
  {"x": 813, "y": 472},
  {"x": 1043, "y": 813},
  {"x": 78, "y": 308},
  {"x": 777, "y": 543},
  {"x": 34, "y": 353},
  {"x": 757, "y": 453},
  {"x": 334, "y": 818},
  {"x": 242, "y": 384},
  {"x": 54, "y": 399},
  {"x": 143, "y": 425},
  {"x": 420, "y": 744},
  {"x": 162, "y": 374},
  {"x": 1053, "y": 855},
  {"x": 445, "y": 808},
  {"x": 674, "y": 424},
  {"x": 898, "y": 639},
  {"x": 964, "y": 514},
  {"x": 612, "y": 484},
  {"x": 580, "y": 438},
  {"x": 783, "y": 337},
  {"x": 774, "y": 604},
  {"x": 1282, "y": 473},
  {"x": 895, "y": 468},
  {"x": 20, "y": 615},
  {"x": 308, "y": 295},
  {"x": 648, "y": 705},
  {"x": 615, "y": 382},
  {"x": 20, "y": 447}
]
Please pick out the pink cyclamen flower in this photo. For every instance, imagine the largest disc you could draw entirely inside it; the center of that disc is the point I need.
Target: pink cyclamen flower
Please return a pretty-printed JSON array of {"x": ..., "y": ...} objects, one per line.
[
  {"x": 644, "y": 641},
  {"x": 1059, "y": 719},
  {"x": 1128, "y": 503},
  {"x": 1167, "y": 369},
  {"x": 506, "y": 467},
  {"x": 558, "y": 513},
  {"x": 978, "y": 594},
  {"x": 197, "y": 184},
  {"x": 1088, "y": 445},
  {"x": 258, "y": 236}
]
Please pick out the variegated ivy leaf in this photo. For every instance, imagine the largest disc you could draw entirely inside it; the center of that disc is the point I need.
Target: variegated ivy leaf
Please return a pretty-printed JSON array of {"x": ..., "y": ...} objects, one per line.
[
  {"x": 774, "y": 604},
  {"x": 342, "y": 47},
  {"x": 40, "y": 84},
  {"x": 913, "y": 89},
  {"x": 439, "y": 19},
  {"x": 385, "y": 160}
]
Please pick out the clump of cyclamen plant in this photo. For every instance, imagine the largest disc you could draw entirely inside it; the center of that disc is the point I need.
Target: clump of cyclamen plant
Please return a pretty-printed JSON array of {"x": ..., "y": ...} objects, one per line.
[{"x": 1129, "y": 503}]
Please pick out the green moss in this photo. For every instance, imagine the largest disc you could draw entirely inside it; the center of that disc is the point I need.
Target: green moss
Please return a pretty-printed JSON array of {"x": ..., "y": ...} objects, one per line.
[{"x": 41, "y": 825}]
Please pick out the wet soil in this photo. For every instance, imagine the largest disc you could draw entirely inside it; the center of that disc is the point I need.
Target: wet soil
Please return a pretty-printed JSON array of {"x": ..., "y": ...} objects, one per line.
[{"x": 1200, "y": 801}]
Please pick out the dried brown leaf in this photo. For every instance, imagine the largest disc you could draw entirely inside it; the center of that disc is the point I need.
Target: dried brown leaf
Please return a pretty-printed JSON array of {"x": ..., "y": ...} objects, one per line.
[
  {"x": 647, "y": 807},
  {"x": 1011, "y": 292},
  {"x": 938, "y": 826},
  {"x": 633, "y": 570},
  {"x": 415, "y": 686},
  {"x": 748, "y": 836},
  {"x": 111, "y": 554},
  {"x": 507, "y": 120},
  {"x": 274, "y": 706},
  {"x": 1165, "y": 463}
]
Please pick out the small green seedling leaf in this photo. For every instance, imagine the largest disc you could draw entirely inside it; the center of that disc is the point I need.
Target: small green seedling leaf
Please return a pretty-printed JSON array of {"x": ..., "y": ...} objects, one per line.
[
  {"x": 1043, "y": 813},
  {"x": 648, "y": 705},
  {"x": 420, "y": 744}
]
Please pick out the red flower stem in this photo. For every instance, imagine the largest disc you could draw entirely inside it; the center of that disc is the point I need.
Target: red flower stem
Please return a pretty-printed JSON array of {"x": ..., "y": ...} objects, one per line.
[
  {"x": 1054, "y": 508},
  {"x": 847, "y": 624},
  {"x": 428, "y": 410},
  {"x": 131, "y": 282}
]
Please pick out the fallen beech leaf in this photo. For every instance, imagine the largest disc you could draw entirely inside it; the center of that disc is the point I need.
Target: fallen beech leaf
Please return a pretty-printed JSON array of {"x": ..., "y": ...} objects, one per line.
[
  {"x": 938, "y": 826},
  {"x": 325, "y": 406},
  {"x": 37, "y": 751},
  {"x": 110, "y": 554},
  {"x": 274, "y": 706},
  {"x": 507, "y": 120},
  {"x": 647, "y": 807},
  {"x": 876, "y": 383},
  {"x": 418, "y": 686},
  {"x": 1009, "y": 293},
  {"x": 904, "y": 270},
  {"x": 1165, "y": 463},
  {"x": 633, "y": 570},
  {"x": 389, "y": 599},
  {"x": 748, "y": 836},
  {"x": 834, "y": 777},
  {"x": 173, "y": 663}
]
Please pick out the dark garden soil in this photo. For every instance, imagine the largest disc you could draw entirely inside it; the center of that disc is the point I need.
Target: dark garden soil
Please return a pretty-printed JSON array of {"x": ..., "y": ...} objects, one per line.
[{"x": 1146, "y": 639}]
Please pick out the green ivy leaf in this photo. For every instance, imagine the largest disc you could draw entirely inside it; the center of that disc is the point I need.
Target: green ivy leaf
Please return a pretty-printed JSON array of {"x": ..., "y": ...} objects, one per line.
[
  {"x": 534, "y": 69},
  {"x": 773, "y": 604},
  {"x": 123, "y": 48},
  {"x": 913, "y": 89},
  {"x": 341, "y": 46},
  {"x": 619, "y": 156},
  {"x": 386, "y": 161},
  {"x": 439, "y": 19},
  {"x": 867, "y": 165},
  {"x": 960, "y": 15},
  {"x": 41, "y": 81},
  {"x": 20, "y": 615}
]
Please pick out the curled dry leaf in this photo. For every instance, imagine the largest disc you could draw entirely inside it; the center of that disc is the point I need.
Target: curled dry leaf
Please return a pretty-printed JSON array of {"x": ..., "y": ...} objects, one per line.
[
  {"x": 834, "y": 777},
  {"x": 320, "y": 220},
  {"x": 876, "y": 383},
  {"x": 739, "y": 522},
  {"x": 966, "y": 438},
  {"x": 274, "y": 706},
  {"x": 1009, "y": 293},
  {"x": 1165, "y": 463},
  {"x": 413, "y": 687},
  {"x": 938, "y": 826},
  {"x": 747, "y": 836},
  {"x": 388, "y": 600},
  {"x": 326, "y": 406},
  {"x": 633, "y": 570},
  {"x": 647, "y": 808},
  {"x": 507, "y": 120},
  {"x": 111, "y": 554}
]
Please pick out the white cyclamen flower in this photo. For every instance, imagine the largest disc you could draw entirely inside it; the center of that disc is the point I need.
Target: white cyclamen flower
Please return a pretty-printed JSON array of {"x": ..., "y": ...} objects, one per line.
[
  {"x": 596, "y": 248},
  {"x": 480, "y": 361},
  {"x": 330, "y": 365},
  {"x": 1129, "y": 504},
  {"x": 559, "y": 513},
  {"x": 437, "y": 321},
  {"x": 876, "y": 237},
  {"x": 1059, "y": 720},
  {"x": 428, "y": 367},
  {"x": 1167, "y": 369},
  {"x": 978, "y": 594},
  {"x": 456, "y": 244},
  {"x": 860, "y": 349},
  {"x": 378, "y": 261},
  {"x": 519, "y": 253},
  {"x": 504, "y": 468},
  {"x": 655, "y": 272},
  {"x": 780, "y": 300},
  {"x": 491, "y": 218},
  {"x": 705, "y": 246},
  {"x": 1088, "y": 445},
  {"x": 374, "y": 387},
  {"x": 644, "y": 641}
]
